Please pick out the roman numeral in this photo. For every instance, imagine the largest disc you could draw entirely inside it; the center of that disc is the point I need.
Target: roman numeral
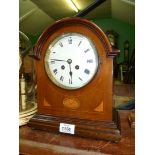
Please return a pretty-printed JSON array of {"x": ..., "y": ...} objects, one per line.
[
  {"x": 55, "y": 71},
  {"x": 90, "y": 61},
  {"x": 79, "y": 43},
  {"x": 61, "y": 78},
  {"x": 86, "y": 50},
  {"x": 80, "y": 79},
  {"x": 52, "y": 61},
  {"x": 61, "y": 44},
  {"x": 70, "y": 40},
  {"x": 86, "y": 71}
]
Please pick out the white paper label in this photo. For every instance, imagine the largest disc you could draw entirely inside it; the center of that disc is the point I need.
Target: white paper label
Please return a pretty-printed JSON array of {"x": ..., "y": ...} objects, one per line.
[{"x": 67, "y": 128}]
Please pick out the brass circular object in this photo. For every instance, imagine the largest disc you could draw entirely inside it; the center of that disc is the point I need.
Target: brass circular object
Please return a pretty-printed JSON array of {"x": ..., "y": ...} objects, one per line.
[{"x": 69, "y": 50}]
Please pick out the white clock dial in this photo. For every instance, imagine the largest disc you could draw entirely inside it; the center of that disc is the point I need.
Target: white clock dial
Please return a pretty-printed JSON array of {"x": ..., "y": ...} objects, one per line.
[{"x": 71, "y": 61}]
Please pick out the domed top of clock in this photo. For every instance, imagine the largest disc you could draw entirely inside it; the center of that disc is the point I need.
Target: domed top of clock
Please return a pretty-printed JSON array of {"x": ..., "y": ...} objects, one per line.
[{"x": 80, "y": 23}]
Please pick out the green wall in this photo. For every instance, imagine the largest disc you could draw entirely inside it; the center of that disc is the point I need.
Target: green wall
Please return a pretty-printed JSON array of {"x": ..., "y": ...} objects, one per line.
[
  {"x": 125, "y": 31},
  {"x": 33, "y": 38}
]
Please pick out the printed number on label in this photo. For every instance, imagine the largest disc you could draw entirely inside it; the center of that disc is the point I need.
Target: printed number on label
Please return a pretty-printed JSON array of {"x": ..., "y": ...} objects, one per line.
[{"x": 66, "y": 128}]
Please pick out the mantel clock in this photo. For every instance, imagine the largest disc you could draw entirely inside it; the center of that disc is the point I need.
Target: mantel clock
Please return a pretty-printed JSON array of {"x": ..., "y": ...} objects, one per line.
[{"x": 74, "y": 79}]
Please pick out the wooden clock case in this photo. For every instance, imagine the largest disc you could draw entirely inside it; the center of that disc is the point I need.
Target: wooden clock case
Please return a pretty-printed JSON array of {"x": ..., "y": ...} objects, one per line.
[{"x": 89, "y": 108}]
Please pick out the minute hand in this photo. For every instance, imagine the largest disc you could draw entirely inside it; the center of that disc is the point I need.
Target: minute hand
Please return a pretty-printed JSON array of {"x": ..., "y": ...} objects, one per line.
[{"x": 58, "y": 60}]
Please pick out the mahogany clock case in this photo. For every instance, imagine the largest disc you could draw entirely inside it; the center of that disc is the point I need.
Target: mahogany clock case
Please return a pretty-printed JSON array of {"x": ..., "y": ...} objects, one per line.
[{"x": 89, "y": 108}]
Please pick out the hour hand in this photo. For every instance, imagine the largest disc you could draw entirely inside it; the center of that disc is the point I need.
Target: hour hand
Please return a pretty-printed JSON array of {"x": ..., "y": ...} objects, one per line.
[
  {"x": 70, "y": 73},
  {"x": 70, "y": 80}
]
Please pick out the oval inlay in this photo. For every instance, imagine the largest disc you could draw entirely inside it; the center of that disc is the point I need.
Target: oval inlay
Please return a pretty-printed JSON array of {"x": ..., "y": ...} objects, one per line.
[{"x": 71, "y": 103}]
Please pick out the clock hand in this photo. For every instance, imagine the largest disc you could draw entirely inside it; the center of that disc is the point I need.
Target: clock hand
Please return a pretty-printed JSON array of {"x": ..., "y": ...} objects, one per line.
[
  {"x": 69, "y": 61},
  {"x": 58, "y": 60},
  {"x": 70, "y": 72}
]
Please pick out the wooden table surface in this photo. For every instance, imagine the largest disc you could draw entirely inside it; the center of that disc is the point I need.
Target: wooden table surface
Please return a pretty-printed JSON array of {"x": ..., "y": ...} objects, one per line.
[{"x": 36, "y": 142}]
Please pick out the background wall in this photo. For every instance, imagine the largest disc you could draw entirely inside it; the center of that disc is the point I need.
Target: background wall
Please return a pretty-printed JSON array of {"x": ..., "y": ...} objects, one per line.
[{"x": 125, "y": 31}]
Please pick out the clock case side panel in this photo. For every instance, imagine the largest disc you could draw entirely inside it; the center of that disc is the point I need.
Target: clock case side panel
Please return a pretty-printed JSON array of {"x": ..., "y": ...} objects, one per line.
[{"x": 107, "y": 129}]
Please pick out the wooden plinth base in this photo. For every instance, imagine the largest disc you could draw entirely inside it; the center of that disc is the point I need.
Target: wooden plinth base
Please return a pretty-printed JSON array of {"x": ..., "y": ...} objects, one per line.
[{"x": 84, "y": 128}]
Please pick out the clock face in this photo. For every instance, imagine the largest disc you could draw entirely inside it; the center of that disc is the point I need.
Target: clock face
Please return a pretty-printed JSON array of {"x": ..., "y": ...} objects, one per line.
[{"x": 71, "y": 61}]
